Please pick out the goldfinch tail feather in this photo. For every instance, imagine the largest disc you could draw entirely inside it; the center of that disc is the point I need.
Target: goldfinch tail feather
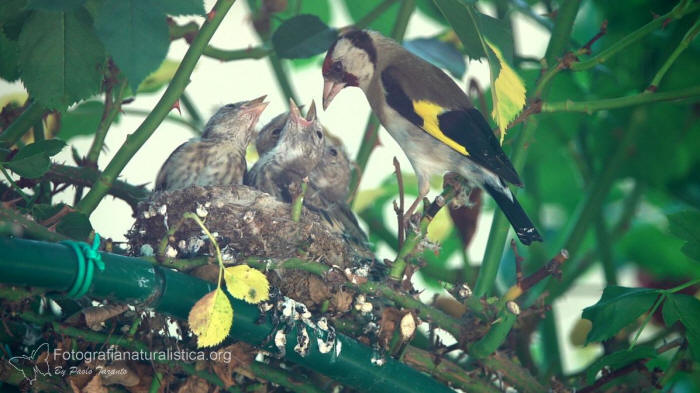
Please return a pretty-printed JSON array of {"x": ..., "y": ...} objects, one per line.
[{"x": 523, "y": 226}]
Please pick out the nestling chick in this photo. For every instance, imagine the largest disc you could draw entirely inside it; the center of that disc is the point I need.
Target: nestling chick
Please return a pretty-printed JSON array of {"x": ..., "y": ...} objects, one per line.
[
  {"x": 295, "y": 155},
  {"x": 331, "y": 177},
  {"x": 429, "y": 116},
  {"x": 218, "y": 156}
]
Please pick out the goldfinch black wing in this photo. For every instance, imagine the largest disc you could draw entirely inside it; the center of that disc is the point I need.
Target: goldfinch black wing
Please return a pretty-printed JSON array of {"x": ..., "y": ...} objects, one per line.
[{"x": 428, "y": 98}]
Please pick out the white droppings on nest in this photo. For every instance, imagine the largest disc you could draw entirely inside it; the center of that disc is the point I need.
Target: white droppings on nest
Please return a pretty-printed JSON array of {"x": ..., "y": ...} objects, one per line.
[
  {"x": 182, "y": 245},
  {"x": 201, "y": 211},
  {"x": 302, "y": 347},
  {"x": 170, "y": 252},
  {"x": 146, "y": 250},
  {"x": 464, "y": 291},
  {"x": 362, "y": 305},
  {"x": 163, "y": 210},
  {"x": 377, "y": 359},
  {"x": 280, "y": 340}
]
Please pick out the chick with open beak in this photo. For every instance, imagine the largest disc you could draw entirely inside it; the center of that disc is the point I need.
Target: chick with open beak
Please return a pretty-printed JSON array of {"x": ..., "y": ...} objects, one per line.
[
  {"x": 296, "y": 154},
  {"x": 218, "y": 156}
]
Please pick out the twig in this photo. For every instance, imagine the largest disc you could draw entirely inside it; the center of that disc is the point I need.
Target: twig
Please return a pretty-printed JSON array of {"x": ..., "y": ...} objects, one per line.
[
  {"x": 399, "y": 210},
  {"x": 552, "y": 268},
  {"x": 683, "y": 8},
  {"x": 413, "y": 239},
  {"x": 687, "y": 39},
  {"x": 518, "y": 262},
  {"x": 474, "y": 86},
  {"x": 135, "y": 140},
  {"x": 298, "y": 201},
  {"x": 620, "y": 102}
]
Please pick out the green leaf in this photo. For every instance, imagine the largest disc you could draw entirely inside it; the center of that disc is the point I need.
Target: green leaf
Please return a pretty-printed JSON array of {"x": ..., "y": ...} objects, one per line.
[
  {"x": 439, "y": 53},
  {"x": 9, "y": 69},
  {"x": 617, "y": 308},
  {"x": 81, "y": 120},
  {"x": 182, "y": 7},
  {"x": 302, "y": 36},
  {"x": 463, "y": 20},
  {"x": 60, "y": 57},
  {"x": 54, "y": 5},
  {"x": 619, "y": 359},
  {"x": 686, "y": 225},
  {"x": 31, "y": 167},
  {"x": 135, "y": 34},
  {"x": 686, "y": 309},
  {"x": 74, "y": 225},
  {"x": 384, "y": 23},
  {"x": 49, "y": 147},
  {"x": 11, "y": 10},
  {"x": 32, "y": 161}
]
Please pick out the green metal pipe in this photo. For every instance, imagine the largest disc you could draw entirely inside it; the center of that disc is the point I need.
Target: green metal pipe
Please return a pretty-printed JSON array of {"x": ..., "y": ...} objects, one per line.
[{"x": 54, "y": 266}]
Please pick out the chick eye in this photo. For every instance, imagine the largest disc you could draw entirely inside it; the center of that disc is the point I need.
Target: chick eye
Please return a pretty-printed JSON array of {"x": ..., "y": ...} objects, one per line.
[
  {"x": 319, "y": 134},
  {"x": 230, "y": 106},
  {"x": 276, "y": 131},
  {"x": 337, "y": 67},
  {"x": 334, "y": 152}
]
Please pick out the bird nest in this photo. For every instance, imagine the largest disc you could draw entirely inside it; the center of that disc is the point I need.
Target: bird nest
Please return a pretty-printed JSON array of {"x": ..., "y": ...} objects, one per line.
[{"x": 247, "y": 223}]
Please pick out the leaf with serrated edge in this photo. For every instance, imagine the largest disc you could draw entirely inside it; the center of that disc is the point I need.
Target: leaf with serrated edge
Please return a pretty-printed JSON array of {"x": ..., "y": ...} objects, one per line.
[
  {"x": 135, "y": 34},
  {"x": 684, "y": 308},
  {"x": 508, "y": 92},
  {"x": 617, "y": 308},
  {"x": 60, "y": 57},
  {"x": 210, "y": 318},
  {"x": 31, "y": 167},
  {"x": 245, "y": 283},
  {"x": 50, "y": 147}
]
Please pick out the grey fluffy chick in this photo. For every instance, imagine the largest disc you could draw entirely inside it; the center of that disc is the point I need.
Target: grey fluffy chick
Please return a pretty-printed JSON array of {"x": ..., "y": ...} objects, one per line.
[
  {"x": 331, "y": 177},
  {"x": 218, "y": 156},
  {"x": 296, "y": 154}
]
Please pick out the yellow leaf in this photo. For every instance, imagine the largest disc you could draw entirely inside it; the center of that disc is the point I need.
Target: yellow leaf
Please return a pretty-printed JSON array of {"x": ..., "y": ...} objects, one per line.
[
  {"x": 440, "y": 227},
  {"x": 210, "y": 318},
  {"x": 245, "y": 283},
  {"x": 508, "y": 92},
  {"x": 159, "y": 77}
]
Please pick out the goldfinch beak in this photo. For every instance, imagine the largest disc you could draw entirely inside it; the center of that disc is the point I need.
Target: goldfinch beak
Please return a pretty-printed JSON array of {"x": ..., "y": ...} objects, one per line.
[
  {"x": 256, "y": 106},
  {"x": 330, "y": 90}
]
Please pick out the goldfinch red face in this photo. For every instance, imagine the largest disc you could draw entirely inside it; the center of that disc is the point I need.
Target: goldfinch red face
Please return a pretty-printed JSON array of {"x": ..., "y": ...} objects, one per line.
[{"x": 350, "y": 61}]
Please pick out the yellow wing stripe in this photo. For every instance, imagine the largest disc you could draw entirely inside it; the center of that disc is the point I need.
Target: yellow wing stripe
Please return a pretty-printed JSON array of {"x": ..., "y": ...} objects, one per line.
[{"x": 429, "y": 112}]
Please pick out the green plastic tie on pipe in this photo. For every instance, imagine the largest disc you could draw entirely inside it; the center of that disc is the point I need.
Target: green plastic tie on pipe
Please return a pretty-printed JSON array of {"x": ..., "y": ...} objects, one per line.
[{"x": 87, "y": 257}]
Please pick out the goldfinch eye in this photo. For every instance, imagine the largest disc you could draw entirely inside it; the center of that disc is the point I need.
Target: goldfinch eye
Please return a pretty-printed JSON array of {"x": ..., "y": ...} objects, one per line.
[
  {"x": 276, "y": 131},
  {"x": 334, "y": 152},
  {"x": 319, "y": 134},
  {"x": 337, "y": 67},
  {"x": 230, "y": 106}
]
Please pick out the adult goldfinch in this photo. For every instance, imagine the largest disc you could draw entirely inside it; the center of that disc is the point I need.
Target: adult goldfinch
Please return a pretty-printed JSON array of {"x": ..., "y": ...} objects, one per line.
[
  {"x": 429, "y": 116},
  {"x": 218, "y": 156}
]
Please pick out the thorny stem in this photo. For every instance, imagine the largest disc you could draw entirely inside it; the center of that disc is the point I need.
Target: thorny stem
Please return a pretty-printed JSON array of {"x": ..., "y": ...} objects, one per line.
[
  {"x": 31, "y": 114},
  {"x": 12, "y": 221},
  {"x": 620, "y": 102},
  {"x": 683, "y": 8},
  {"x": 254, "y": 52},
  {"x": 687, "y": 39},
  {"x": 134, "y": 141}
]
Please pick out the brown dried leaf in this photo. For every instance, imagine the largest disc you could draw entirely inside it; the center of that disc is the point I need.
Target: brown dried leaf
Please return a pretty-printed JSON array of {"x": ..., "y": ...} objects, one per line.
[
  {"x": 466, "y": 218},
  {"x": 95, "y": 316},
  {"x": 95, "y": 386},
  {"x": 387, "y": 325},
  {"x": 119, "y": 373},
  {"x": 194, "y": 384}
]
